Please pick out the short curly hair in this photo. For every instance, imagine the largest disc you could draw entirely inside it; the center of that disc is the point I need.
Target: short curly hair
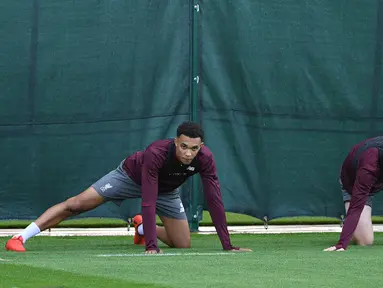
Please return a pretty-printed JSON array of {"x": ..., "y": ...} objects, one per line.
[{"x": 190, "y": 129}]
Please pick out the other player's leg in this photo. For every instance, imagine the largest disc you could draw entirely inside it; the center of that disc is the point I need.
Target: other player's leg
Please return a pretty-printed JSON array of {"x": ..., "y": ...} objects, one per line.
[{"x": 364, "y": 232}]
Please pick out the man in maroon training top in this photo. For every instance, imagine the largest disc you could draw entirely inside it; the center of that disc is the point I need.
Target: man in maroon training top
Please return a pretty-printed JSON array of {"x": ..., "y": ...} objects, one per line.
[
  {"x": 153, "y": 175},
  {"x": 361, "y": 177}
]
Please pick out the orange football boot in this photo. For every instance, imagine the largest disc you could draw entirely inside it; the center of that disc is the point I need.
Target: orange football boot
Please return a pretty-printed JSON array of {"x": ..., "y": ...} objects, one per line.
[
  {"x": 16, "y": 243},
  {"x": 138, "y": 239}
]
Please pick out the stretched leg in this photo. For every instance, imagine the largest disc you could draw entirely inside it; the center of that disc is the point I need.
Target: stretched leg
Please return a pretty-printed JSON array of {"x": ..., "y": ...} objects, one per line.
[
  {"x": 364, "y": 233},
  {"x": 85, "y": 201}
]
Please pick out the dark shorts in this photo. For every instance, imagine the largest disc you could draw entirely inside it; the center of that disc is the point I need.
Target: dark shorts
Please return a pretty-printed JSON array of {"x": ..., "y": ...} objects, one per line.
[
  {"x": 117, "y": 186},
  {"x": 347, "y": 196}
]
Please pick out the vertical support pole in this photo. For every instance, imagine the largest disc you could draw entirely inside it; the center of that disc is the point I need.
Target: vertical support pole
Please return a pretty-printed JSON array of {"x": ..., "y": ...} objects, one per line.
[
  {"x": 376, "y": 80},
  {"x": 194, "y": 77},
  {"x": 129, "y": 223},
  {"x": 265, "y": 222}
]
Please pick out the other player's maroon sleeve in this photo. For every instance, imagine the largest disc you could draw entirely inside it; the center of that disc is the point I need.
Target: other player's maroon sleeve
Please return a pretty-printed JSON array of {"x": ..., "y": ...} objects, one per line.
[
  {"x": 149, "y": 188},
  {"x": 214, "y": 199},
  {"x": 366, "y": 177}
]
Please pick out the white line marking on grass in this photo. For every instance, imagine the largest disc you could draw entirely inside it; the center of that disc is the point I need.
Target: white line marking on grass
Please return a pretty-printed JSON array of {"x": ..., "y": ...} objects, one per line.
[
  {"x": 5, "y": 260},
  {"x": 168, "y": 254}
]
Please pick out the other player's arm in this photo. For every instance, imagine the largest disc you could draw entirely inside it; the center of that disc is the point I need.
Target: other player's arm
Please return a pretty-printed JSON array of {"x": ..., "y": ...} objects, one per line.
[
  {"x": 215, "y": 204},
  {"x": 149, "y": 188}
]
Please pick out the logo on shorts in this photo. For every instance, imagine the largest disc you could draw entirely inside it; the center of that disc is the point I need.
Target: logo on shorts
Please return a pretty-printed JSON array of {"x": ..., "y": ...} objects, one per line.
[
  {"x": 182, "y": 209},
  {"x": 106, "y": 187}
]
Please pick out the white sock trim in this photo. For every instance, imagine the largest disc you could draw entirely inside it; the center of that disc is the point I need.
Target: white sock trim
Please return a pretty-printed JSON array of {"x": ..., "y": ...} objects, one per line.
[
  {"x": 30, "y": 231},
  {"x": 140, "y": 229}
]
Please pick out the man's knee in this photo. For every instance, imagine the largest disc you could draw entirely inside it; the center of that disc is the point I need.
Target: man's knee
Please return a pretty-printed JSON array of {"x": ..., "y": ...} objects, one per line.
[
  {"x": 177, "y": 231},
  {"x": 365, "y": 241},
  {"x": 364, "y": 234},
  {"x": 75, "y": 205},
  {"x": 181, "y": 240},
  {"x": 184, "y": 243},
  {"x": 85, "y": 201}
]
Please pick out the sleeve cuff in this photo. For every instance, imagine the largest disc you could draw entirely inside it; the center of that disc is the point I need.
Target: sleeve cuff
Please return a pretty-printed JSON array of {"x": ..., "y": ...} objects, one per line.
[
  {"x": 339, "y": 246},
  {"x": 231, "y": 247}
]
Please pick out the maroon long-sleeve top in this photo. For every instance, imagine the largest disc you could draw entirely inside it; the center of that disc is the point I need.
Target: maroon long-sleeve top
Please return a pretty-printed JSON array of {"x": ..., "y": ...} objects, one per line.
[
  {"x": 361, "y": 177},
  {"x": 157, "y": 170}
]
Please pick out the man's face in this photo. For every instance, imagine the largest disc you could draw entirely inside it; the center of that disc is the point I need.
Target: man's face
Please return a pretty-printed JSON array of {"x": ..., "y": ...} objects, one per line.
[{"x": 187, "y": 148}]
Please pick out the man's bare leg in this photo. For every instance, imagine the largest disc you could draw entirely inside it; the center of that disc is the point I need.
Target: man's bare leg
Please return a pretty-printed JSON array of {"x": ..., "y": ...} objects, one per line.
[
  {"x": 85, "y": 201},
  {"x": 364, "y": 232},
  {"x": 175, "y": 233}
]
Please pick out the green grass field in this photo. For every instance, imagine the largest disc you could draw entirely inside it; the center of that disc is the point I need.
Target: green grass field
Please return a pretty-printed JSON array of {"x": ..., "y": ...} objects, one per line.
[
  {"x": 286, "y": 260},
  {"x": 232, "y": 219}
]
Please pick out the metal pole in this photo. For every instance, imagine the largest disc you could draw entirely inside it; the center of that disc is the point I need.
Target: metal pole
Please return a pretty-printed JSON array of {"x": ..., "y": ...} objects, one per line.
[{"x": 194, "y": 76}]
